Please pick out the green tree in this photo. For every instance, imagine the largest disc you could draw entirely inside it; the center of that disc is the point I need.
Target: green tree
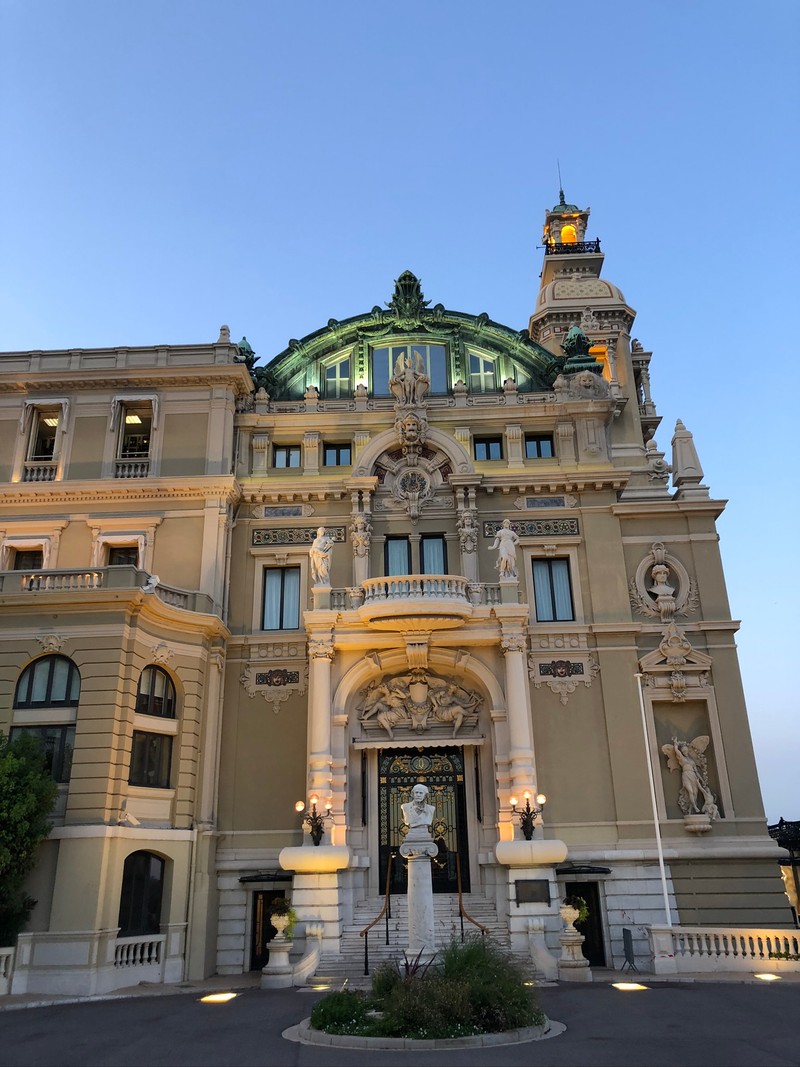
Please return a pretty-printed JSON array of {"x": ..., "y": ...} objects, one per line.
[{"x": 27, "y": 793}]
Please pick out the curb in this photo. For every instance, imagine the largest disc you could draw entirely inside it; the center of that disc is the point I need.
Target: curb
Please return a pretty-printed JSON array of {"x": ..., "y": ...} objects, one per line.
[{"x": 305, "y": 1035}]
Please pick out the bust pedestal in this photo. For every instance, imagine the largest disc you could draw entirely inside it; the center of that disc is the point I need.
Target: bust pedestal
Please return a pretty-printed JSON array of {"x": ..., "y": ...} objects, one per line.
[{"x": 418, "y": 848}]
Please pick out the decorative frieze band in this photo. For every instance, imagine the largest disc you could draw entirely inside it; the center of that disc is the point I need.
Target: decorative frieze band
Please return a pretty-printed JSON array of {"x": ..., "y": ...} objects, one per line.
[
  {"x": 535, "y": 527},
  {"x": 295, "y": 536}
]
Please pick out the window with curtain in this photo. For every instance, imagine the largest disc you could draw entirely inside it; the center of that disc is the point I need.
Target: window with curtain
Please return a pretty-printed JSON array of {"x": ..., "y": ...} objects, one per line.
[
  {"x": 281, "y": 604},
  {"x": 397, "y": 556},
  {"x": 156, "y": 693},
  {"x": 552, "y": 590},
  {"x": 52, "y": 681},
  {"x": 433, "y": 554}
]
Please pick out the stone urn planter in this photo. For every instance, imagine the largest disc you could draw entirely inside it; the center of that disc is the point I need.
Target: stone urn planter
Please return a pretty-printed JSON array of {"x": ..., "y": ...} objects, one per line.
[
  {"x": 570, "y": 916},
  {"x": 280, "y": 922}
]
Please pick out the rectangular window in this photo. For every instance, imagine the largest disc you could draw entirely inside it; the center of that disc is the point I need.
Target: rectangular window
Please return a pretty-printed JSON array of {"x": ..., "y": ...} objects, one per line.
[
  {"x": 286, "y": 456},
  {"x": 151, "y": 760},
  {"x": 398, "y": 556},
  {"x": 281, "y": 606},
  {"x": 336, "y": 456},
  {"x": 134, "y": 432},
  {"x": 42, "y": 444},
  {"x": 482, "y": 373},
  {"x": 552, "y": 590},
  {"x": 488, "y": 448},
  {"x": 428, "y": 360},
  {"x": 433, "y": 554},
  {"x": 336, "y": 382},
  {"x": 28, "y": 559},
  {"x": 57, "y": 743},
  {"x": 123, "y": 556},
  {"x": 538, "y": 446}
]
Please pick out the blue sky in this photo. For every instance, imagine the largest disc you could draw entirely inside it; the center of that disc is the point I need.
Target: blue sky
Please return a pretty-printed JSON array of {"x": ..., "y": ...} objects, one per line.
[{"x": 172, "y": 166}]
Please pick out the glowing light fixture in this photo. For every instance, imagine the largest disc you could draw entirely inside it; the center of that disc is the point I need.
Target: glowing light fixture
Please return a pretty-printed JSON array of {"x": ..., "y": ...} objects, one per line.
[
  {"x": 527, "y": 817},
  {"x": 768, "y": 977},
  {"x": 627, "y": 987},
  {"x": 316, "y": 822},
  {"x": 50, "y": 420},
  {"x": 218, "y": 998},
  {"x": 132, "y": 419}
]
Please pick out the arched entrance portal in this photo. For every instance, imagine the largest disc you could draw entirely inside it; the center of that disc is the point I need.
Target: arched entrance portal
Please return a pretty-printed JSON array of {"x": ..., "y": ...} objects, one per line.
[{"x": 442, "y": 771}]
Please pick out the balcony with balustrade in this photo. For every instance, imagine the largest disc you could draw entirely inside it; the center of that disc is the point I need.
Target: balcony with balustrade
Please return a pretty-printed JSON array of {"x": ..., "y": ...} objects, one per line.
[
  {"x": 416, "y": 601},
  {"x": 86, "y": 580}
]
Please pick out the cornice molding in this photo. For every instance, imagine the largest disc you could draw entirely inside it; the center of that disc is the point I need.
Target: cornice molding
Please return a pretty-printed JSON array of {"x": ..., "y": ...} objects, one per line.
[{"x": 112, "y": 491}]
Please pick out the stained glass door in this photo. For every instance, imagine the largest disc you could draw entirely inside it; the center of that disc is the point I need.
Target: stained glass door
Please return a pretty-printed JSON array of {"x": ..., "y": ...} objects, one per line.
[{"x": 442, "y": 771}]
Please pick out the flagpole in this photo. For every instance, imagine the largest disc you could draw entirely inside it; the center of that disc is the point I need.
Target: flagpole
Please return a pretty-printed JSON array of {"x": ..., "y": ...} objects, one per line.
[{"x": 659, "y": 848}]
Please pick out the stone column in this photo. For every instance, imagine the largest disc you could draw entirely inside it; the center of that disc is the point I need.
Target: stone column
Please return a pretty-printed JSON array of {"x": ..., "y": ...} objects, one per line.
[
  {"x": 518, "y": 710},
  {"x": 320, "y": 652}
]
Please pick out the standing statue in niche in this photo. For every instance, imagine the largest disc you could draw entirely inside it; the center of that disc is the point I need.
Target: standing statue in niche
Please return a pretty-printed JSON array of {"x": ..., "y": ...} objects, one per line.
[
  {"x": 695, "y": 797},
  {"x": 506, "y": 542},
  {"x": 417, "y": 812},
  {"x": 320, "y": 556},
  {"x": 409, "y": 383}
]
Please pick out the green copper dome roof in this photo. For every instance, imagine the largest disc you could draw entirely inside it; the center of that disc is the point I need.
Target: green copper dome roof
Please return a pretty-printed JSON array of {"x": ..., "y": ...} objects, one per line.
[{"x": 562, "y": 207}]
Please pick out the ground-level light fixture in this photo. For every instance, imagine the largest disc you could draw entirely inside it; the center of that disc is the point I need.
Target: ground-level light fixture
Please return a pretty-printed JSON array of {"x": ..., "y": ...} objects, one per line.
[
  {"x": 628, "y": 987},
  {"x": 218, "y": 998},
  {"x": 768, "y": 977},
  {"x": 316, "y": 822},
  {"x": 528, "y": 815}
]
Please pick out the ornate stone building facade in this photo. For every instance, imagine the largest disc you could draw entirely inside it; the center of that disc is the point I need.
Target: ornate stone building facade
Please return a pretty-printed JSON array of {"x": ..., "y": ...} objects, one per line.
[{"x": 416, "y": 546}]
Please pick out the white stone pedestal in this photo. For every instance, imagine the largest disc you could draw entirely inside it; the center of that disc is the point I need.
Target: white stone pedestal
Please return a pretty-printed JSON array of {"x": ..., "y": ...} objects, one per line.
[
  {"x": 418, "y": 848},
  {"x": 278, "y": 972},
  {"x": 573, "y": 965}
]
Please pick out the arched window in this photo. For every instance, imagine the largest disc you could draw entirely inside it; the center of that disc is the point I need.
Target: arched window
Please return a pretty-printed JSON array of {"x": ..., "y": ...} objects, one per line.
[
  {"x": 569, "y": 235},
  {"x": 156, "y": 693},
  {"x": 140, "y": 899},
  {"x": 49, "y": 682}
]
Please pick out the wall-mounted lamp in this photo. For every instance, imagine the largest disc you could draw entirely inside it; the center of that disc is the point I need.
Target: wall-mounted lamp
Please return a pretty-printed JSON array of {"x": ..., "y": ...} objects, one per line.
[
  {"x": 316, "y": 822},
  {"x": 527, "y": 816}
]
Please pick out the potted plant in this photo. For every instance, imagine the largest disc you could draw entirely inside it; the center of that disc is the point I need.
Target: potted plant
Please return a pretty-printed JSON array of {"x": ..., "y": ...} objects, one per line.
[
  {"x": 574, "y": 910},
  {"x": 283, "y": 917}
]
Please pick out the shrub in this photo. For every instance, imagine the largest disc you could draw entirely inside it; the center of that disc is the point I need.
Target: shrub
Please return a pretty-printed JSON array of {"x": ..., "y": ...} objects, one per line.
[
  {"x": 341, "y": 1013},
  {"x": 472, "y": 988},
  {"x": 27, "y": 793}
]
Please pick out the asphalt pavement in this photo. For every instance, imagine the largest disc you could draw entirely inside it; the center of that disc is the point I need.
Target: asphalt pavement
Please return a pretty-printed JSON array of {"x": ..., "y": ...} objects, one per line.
[{"x": 729, "y": 1021}]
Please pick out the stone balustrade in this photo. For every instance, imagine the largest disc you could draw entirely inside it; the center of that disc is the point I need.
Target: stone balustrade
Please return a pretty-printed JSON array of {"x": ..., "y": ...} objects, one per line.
[
  {"x": 82, "y": 580},
  {"x": 140, "y": 952},
  {"x": 686, "y": 949}
]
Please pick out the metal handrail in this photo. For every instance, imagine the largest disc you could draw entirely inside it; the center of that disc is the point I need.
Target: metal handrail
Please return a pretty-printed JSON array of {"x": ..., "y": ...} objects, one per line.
[
  {"x": 462, "y": 911},
  {"x": 386, "y": 911}
]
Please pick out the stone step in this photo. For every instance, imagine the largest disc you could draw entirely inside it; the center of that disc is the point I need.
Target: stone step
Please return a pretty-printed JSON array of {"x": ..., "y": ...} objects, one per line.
[{"x": 347, "y": 967}]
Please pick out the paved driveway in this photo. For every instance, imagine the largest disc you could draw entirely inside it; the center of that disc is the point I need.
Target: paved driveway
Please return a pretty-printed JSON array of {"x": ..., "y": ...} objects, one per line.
[{"x": 675, "y": 1025}]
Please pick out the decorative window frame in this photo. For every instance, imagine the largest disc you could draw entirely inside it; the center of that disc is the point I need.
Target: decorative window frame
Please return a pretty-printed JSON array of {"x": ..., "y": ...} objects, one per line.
[
  {"x": 120, "y": 402},
  {"x": 26, "y": 422},
  {"x": 113, "y": 533},
  {"x": 33, "y": 535},
  {"x": 290, "y": 556},
  {"x": 562, "y": 549}
]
